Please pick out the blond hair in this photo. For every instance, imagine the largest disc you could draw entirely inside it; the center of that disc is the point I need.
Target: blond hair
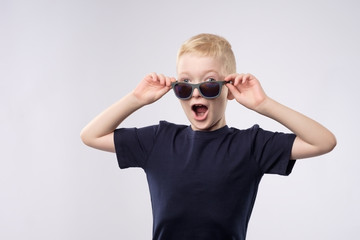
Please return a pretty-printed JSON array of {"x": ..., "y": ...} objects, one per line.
[{"x": 210, "y": 45}]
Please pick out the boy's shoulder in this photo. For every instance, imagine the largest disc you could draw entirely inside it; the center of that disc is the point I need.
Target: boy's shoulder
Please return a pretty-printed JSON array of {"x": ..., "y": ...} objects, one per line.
[{"x": 169, "y": 126}]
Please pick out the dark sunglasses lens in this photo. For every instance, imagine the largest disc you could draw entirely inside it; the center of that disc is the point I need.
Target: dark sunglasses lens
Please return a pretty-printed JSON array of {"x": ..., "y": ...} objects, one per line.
[
  {"x": 210, "y": 89},
  {"x": 182, "y": 90}
]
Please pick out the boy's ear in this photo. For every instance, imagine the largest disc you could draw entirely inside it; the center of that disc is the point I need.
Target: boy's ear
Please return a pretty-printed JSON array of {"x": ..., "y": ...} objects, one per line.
[{"x": 230, "y": 96}]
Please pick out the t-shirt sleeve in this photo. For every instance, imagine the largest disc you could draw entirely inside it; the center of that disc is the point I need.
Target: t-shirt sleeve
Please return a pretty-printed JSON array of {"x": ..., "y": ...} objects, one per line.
[
  {"x": 272, "y": 151},
  {"x": 133, "y": 145}
]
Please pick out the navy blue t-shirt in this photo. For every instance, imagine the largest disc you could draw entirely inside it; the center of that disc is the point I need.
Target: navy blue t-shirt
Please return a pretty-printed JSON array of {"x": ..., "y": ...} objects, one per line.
[{"x": 203, "y": 185}]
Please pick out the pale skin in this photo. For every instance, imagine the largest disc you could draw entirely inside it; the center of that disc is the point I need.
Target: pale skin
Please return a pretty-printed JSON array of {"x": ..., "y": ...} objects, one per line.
[{"x": 312, "y": 139}]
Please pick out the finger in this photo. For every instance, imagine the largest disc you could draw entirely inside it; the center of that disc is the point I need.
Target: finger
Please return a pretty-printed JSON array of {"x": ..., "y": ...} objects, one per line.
[
  {"x": 233, "y": 90},
  {"x": 239, "y": 79},
  {"x": 168, "y": 81},
  {"x": 230, "y": 77},
  {"x": 172, "y": 79},
  {"x": 153, "y": 76},
  {"x": 247, "y": 77},
  {"x": 162, "y": 79},
  {"x": 250, "y": 77}
]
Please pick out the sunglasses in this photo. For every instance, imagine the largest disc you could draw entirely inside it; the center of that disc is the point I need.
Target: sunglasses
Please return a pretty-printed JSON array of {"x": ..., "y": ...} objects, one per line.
[{"x": 208, "y": 90}]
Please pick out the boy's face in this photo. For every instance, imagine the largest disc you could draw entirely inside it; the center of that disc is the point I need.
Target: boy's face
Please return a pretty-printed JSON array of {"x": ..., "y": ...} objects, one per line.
[{"x": 203, "y": 114}]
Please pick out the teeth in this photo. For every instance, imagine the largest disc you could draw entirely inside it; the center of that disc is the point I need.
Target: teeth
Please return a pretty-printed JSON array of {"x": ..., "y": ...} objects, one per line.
[{"x": 197, "y": 105}]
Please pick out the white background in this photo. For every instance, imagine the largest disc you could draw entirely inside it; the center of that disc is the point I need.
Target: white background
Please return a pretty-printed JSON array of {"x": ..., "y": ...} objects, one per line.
[{"x": 64, "y": 61}]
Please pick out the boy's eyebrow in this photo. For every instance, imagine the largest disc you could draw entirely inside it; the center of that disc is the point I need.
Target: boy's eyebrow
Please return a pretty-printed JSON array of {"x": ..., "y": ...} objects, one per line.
[{"x": 204, "y": 73}]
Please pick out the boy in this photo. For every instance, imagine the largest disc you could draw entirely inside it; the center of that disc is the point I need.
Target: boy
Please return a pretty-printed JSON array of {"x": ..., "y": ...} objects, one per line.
[{"x": 203, "y": 178}]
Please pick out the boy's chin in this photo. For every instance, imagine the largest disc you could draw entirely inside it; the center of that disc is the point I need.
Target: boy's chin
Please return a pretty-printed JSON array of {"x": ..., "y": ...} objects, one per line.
[{"x": 197, "y": 128}]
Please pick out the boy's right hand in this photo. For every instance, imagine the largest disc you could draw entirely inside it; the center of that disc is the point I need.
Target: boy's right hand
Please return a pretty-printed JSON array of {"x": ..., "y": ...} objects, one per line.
[
  {"x": 152, "y": 88},
  {"x": 99, "y": 133}
]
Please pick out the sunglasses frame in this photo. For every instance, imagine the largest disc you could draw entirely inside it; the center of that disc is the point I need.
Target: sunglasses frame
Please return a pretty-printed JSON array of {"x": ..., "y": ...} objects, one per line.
[{"x": 197, "y": 85}]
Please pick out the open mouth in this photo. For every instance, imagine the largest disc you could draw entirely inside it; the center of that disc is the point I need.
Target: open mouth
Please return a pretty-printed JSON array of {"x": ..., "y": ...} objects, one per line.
[{"x": 199, "y": 110}]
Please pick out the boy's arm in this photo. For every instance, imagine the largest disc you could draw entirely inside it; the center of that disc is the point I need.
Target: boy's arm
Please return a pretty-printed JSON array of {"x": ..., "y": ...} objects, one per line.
[
  {"x": 312, "y": 139},
  {"x": 99, "y": 132}
]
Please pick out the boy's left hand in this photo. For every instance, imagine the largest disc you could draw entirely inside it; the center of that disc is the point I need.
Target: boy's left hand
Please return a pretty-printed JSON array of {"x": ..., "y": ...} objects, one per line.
[
  {"x": 312, "y": 139},
  {"x": 246, "y": 89}
]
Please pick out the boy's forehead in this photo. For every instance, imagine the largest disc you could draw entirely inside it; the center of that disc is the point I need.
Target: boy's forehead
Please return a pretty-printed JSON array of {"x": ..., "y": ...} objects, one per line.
[{"x": 192, "y": 63}]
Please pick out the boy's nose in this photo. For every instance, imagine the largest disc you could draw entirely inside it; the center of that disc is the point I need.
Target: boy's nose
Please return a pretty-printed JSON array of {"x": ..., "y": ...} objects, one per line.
[{"x": 196, "y": 93}]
